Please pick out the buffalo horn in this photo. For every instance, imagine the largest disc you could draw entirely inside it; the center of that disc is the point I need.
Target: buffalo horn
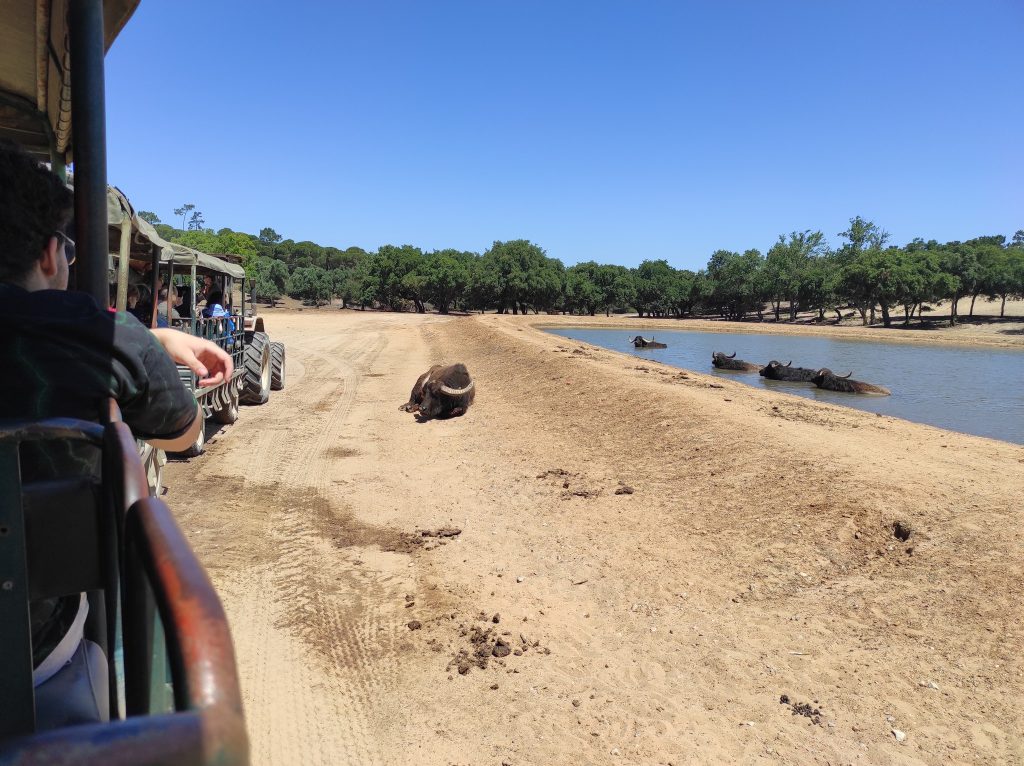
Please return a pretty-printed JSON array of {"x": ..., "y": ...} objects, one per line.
[
  {"x": 789, "y": 363},
  {"x": 732, "y": 355},
  {"x": 846, "y": 375},
  {"x": 456, "y": 391}
]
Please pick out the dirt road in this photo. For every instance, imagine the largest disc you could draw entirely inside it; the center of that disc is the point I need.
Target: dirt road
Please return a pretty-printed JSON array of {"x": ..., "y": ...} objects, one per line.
[{"x": 555, "y": 616}]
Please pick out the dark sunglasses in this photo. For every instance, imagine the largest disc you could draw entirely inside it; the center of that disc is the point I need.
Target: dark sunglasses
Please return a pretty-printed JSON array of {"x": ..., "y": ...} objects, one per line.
[{"x": 69, "y": 246}]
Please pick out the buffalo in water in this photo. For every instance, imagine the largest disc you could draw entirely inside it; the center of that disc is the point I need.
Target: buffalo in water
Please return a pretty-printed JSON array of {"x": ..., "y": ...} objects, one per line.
[
  {"x": 441, "y": 392},
  {"x": 825, "y": 378},
  {"x": 724, "y": 361},
  {"x": 641, "y": 342},
  {"x": 777, "y": 371}
]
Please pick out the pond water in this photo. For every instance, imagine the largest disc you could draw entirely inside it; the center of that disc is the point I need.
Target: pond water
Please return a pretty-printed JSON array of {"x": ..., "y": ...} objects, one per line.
[{"x": 974, "y": 390}]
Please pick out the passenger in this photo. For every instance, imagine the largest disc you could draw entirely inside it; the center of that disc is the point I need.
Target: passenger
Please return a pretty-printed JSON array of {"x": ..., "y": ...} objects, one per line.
[
  {"x": 215, "y": 310},
  {"x": 65, "y": 356},
  {"x": 161, "y": 309},
  {"x": 143, "y": 310},
  {"x": 184, "y": 306},
  {"x": 133, "y": 299}
]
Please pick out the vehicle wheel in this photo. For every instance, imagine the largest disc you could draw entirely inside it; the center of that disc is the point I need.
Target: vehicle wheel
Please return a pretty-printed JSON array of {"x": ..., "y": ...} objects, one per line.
[
  {"x": 199, "y": 445},
  {"x": 277, "y": 368},
  {"x": 256, "y": 382},
  {"x": 227, "y": 414}
]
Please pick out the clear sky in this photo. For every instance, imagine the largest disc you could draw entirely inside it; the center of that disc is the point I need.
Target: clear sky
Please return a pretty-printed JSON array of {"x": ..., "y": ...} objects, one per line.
[{"x": 612, "y": 131}]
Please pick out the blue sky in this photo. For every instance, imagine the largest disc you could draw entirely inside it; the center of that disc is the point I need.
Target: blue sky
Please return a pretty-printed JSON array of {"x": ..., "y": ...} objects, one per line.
[{"x": 612, "y": 131}]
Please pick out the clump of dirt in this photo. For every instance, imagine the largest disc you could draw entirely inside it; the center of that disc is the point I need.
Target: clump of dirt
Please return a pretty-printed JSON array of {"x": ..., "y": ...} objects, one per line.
[
  {"x": 554, "y": 472},
  {"x": 806, "y": 709},
  {"x": 624, "y": 489},
  {"x": 486, "y": 644},
  {"x": 583, "y": 492},
  {"x": 901, "y": 531},
  {"x": 441, "y": 532}
]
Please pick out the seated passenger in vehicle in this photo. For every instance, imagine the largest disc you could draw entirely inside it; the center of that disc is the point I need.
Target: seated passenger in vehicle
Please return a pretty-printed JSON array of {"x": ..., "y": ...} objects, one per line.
[
  {"x": 215, "y": 309},
  {"x": 167, "y": 295},
  {"x": 65, "y": 356}
]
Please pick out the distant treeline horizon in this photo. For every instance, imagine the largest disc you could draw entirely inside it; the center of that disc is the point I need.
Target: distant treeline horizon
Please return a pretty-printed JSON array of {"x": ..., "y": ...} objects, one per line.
[{"x": 799, "y": 273}]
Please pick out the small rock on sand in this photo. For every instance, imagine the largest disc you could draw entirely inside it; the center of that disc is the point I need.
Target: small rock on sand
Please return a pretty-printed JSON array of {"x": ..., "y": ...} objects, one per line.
[{"x": 900, "y": 736}]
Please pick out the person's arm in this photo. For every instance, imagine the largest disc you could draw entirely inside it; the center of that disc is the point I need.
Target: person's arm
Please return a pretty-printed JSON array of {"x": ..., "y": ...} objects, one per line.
[
  {"x": 210, "y": 363},
  {"x": 186, "y": 440}
]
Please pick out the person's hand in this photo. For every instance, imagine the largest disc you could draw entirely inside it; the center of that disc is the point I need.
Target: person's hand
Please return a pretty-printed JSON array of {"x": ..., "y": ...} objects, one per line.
[{"x": 210, "y": 363}]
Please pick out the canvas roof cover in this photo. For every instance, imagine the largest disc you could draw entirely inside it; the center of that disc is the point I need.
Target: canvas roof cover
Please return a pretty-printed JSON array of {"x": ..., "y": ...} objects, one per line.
[
  {"x": 35, "y": 84},
  {"x": 144, "y": 236}
]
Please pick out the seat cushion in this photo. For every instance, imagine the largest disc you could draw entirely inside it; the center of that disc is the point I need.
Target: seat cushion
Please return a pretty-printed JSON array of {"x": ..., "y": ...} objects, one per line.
[{"x": 77, "y": 693}]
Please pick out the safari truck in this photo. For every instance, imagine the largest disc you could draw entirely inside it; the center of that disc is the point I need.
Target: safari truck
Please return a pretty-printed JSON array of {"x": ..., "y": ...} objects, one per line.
[
  {"x": 170, "y": 694},
  {"x": 135, "y": 247}
]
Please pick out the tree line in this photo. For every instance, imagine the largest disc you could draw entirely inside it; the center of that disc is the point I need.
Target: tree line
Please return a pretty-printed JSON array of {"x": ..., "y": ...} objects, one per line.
[{"x": 799, "y": 273}]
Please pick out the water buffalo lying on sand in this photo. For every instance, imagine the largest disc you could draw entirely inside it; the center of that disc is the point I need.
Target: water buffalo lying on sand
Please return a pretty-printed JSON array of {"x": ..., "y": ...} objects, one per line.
[
  {"x": 825, "y": 378},
  {"x": 723, "y": 361},
  {"x": 441, "y": 392},
  {"x": 777, "y": 371},
  {"x": 641, "y": 342}
]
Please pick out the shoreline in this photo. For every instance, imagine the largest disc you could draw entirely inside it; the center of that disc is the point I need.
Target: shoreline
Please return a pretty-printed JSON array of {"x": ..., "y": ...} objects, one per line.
[{"x": 963, "y": 335}]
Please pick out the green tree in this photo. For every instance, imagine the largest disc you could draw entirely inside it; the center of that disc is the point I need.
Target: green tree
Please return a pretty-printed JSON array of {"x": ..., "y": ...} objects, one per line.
[
  {"x": 655, "y": 285},
  {"x": 616, "y": 287},
  {"x": 737, "y": 282},
  {"x": 519, "y": 276},
  {"x": 786, "y": 267},
  {"x": 183, "y": 211},
  {"x": 149, "y": 217},
  {"x": 1006, "y": 276},
  {"x": 311, "y": 284},
  {"x": 581, "y": 291},
  {"x": 268, "y": 279},
  {"x": 861, "y": 236},
  {"x": 393, "y": 273},
  {"x": 445, "y": 277}
]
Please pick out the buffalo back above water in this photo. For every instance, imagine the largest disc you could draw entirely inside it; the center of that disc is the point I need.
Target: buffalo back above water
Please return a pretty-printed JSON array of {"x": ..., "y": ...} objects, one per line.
[
  {"x": 775, "y": 370},
  {"x": 724, "y": 361},
  {"x": 828, "y": 380}
]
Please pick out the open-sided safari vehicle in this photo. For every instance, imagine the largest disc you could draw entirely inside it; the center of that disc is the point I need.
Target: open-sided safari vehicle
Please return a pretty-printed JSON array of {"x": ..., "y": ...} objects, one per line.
[
  {"x": 136, "y": 248},
  {"x": 173, "y": 697}
]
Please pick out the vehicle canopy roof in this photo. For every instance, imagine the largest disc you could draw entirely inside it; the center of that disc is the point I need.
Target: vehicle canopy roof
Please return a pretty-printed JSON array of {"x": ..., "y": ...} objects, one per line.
[
  {"x": 35, "y": 71},
  {"x": 144, "y": 236}
]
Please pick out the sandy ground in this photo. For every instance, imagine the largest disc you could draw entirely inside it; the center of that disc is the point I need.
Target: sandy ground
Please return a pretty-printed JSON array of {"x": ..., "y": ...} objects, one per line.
[{"x": 755, "y": 558}]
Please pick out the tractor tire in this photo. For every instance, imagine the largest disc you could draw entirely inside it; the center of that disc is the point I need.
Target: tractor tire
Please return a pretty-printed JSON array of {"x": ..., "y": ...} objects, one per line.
[
  {"x": 256, "y": 382},
  {"x": 199, "y": 445},
  {"x": 227, "y": 414},
  {"x": 277, "y": 368}
]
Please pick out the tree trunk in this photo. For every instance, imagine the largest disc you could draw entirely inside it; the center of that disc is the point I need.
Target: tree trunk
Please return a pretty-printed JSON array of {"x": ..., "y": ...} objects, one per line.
[
  {"x": 952, "y": 310},
  {"x": 973, "y": 299},
  {"x": 872, "y": 314},
  {"x": 886, "y": 321},
  {"x": 863, "y": 315},
  {"x": 907, "y": 311},
  {"x": 778, "y": 307},
  {"x": 1002, "y": 309},
  {"x": 839, "y": 315}
]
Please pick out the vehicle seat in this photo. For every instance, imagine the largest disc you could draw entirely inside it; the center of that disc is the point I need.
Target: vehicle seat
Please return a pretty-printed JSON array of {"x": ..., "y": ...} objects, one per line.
[{"x": 77, "y": 693}]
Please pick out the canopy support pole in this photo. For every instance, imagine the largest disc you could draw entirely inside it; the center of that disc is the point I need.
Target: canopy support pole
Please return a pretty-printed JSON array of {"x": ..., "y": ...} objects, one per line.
[{"x": 85, "y": 33}]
